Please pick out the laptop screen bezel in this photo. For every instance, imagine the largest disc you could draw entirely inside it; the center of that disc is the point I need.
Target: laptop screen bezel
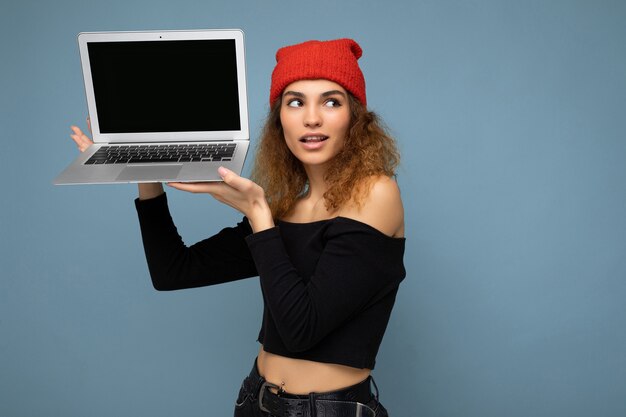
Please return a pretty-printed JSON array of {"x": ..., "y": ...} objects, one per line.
[{"x": 237, "y": 35}]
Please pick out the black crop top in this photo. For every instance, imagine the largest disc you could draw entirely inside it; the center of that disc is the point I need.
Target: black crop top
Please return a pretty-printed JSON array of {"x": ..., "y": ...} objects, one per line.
[{"x": 328, "y": 286}]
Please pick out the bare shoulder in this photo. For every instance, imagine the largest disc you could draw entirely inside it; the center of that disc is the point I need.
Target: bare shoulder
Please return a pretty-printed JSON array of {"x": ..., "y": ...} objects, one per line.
[{"x": 382, "y": 208}]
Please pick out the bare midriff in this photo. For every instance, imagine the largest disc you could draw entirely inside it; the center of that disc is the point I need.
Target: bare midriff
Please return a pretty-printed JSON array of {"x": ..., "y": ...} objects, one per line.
[{"x": 298, "y": 376}]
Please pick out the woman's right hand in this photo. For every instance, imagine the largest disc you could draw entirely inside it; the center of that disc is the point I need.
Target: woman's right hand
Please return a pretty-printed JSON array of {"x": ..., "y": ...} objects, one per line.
[
  {"x": 146, "y": 190},
  {"x": 82, "y": 141}
]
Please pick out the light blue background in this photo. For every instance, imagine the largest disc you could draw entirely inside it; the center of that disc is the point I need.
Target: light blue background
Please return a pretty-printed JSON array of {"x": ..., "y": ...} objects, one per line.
[{"x": 511, "y": 119}]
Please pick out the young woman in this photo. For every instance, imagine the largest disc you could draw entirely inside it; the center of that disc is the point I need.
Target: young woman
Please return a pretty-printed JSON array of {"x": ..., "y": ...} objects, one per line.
[{"x": 323, "y": 229}]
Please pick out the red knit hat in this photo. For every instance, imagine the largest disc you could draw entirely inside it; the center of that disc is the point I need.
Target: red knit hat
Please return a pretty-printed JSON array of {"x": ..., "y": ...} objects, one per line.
[{"x": 334, "y": 60}]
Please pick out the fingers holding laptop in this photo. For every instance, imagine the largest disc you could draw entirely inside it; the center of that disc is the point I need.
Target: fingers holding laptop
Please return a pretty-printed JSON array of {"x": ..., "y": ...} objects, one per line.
[
  {"x": 81, "y": 139},
  {"x": 238, "y": 192}
]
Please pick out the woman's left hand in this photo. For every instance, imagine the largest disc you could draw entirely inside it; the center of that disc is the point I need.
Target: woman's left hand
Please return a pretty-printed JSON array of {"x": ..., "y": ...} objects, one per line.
[{"x": 240, "y": 193}]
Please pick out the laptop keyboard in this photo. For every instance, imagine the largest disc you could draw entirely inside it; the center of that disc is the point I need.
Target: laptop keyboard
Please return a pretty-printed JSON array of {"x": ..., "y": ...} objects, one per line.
[{"x": 132, "y": 154}]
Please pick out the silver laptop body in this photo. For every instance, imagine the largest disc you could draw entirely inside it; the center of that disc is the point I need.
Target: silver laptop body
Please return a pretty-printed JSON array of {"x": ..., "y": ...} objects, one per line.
[{"x": 164, "y": 106}]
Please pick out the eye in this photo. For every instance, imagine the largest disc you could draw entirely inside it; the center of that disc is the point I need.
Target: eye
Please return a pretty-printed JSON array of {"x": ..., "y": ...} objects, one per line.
[
  {"x": 294, "y": 103},
  {"x": 332, "y": 102}
]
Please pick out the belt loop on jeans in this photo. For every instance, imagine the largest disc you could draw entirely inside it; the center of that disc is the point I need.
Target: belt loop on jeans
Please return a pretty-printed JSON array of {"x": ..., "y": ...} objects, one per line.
[
  {"x": 312, "y": 407},
  {"x": 375, "y": 387}
]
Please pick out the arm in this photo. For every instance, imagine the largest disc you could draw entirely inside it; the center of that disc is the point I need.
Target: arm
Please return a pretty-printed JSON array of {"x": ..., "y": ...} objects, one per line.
[{"x": 221, "y": 258}]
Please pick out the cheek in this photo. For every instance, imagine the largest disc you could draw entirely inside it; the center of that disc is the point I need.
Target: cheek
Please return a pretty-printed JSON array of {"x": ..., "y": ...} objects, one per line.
[
  {"x": 290, "y": 143},
  {"x": 346, "y": 127},
  {"x": 342, "y": 124},
  {"x": 287, "y": 124}
]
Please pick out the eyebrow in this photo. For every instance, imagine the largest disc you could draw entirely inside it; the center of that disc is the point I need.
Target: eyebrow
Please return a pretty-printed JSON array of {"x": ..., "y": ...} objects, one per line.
[
  {"x": 325, "y": 94},
  {"x": 333, "y": 92},
  {"x": 293, "y": 93}
]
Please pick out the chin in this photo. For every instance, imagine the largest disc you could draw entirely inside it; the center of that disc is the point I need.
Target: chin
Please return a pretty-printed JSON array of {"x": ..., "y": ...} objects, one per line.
[{"x": 314, "y": 161}]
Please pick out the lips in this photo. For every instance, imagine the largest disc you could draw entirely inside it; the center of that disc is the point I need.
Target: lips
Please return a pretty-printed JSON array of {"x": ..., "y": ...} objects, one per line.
[{"x": 313, "y": 138}]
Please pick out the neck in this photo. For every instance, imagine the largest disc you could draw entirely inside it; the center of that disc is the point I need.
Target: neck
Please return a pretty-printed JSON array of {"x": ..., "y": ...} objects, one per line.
[{"x": 317, "y": 184}]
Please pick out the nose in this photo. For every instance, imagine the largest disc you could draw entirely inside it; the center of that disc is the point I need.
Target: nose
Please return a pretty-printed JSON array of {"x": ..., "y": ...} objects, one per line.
[{"x": 312, "y": 117}]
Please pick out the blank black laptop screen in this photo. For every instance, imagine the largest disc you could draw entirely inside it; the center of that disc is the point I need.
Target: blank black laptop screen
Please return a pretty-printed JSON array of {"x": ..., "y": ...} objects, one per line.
[{"x": 165, "y": 86}]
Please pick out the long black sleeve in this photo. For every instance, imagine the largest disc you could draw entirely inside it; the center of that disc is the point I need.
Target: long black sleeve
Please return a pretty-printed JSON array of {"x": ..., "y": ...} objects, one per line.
[
  {"x": 328, "y": 287},
  {"x": 221, "y": 258}
]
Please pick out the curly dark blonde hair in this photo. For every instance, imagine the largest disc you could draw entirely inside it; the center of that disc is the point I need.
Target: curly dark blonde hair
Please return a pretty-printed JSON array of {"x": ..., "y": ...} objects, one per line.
[{"x": 368, "y": 151}]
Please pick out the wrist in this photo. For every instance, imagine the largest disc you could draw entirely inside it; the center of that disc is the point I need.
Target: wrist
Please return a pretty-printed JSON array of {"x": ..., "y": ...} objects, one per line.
[
  {"x": 260, "y": 217},
  {"x": 150, "y": 190}
]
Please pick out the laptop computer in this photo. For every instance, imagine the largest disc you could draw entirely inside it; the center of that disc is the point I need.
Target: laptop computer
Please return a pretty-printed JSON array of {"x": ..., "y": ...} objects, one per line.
[{"x": 163, "y": 105}]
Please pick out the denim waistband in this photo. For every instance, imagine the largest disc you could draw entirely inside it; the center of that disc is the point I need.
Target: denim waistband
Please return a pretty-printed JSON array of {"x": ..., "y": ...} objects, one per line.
[
  {"x": 361, "y": 392},
  {"x": 355, "y": 400}
]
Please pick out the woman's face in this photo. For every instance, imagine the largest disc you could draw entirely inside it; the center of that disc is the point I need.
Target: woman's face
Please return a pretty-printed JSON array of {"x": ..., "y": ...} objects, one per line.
[{"x": 315, "y": 116}]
